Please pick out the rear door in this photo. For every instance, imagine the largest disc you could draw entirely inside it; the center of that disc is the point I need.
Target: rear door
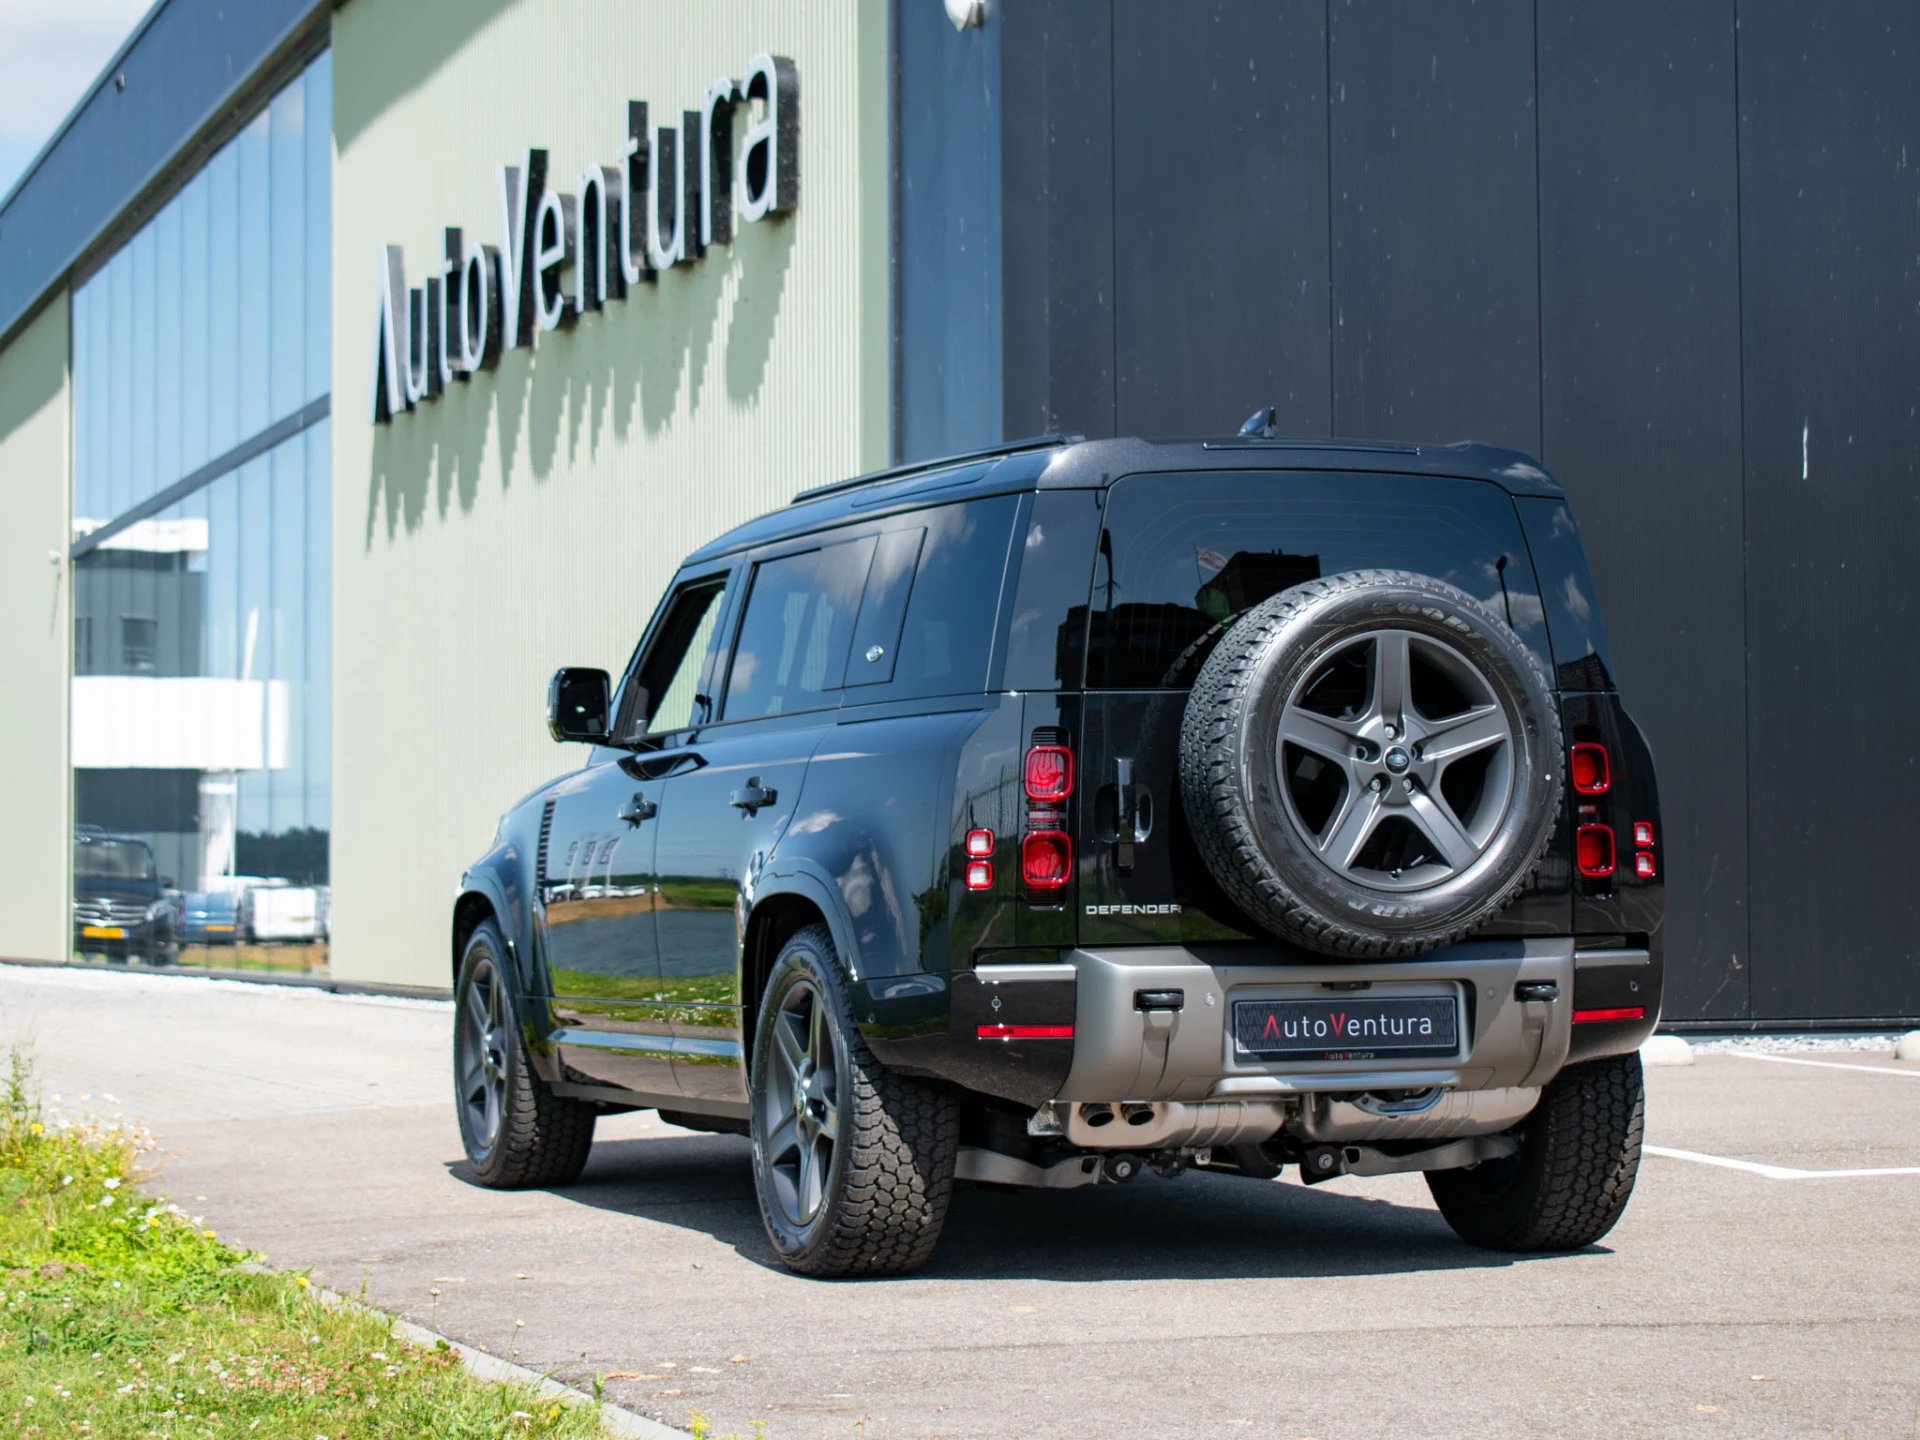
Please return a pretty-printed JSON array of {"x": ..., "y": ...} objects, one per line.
[
  {"x": 1181, "y": 556},
  {"x": 733, "y": 785}
]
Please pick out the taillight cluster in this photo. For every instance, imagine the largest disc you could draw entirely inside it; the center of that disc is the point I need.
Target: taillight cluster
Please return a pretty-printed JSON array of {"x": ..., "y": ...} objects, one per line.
[
  {"x": 1046, "y": 849},
  {"x": 1595, "y": 854}
]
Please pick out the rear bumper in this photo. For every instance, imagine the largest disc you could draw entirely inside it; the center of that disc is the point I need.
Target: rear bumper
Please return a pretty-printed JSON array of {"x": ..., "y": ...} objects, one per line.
[
  {"x": 1102, "y": 1025},
  {"x": 1122, "y": 1052}
]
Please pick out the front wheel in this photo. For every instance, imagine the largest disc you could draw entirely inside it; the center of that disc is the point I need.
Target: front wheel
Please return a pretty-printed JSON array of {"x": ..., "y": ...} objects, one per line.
[
  {"x": 518, "y": 1134},
  {"x": 853, "y": 1165},
  {"x": 1579, "y": 1156}
]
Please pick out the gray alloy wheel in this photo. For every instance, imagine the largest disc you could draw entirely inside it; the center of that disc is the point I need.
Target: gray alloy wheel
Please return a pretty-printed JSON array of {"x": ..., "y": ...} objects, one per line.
[
  {"x": 1371, "y": 764},
  {"x": 516, "y": 1131},
  {"x": 1395, "y": 761},
  {"x": 800, "y": 1104},
  {"x": 480, "y": 1062},
  {"x": 852, "y": 1164}
]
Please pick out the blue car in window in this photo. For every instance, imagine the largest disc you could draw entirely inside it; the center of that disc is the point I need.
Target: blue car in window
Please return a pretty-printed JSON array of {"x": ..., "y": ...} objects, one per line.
[{"x": 210, "y": 918}]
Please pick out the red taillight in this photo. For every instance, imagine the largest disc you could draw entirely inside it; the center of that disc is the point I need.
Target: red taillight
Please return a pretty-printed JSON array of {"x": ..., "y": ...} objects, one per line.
[
  {"x": 1643, "y": 865},
  {"x": 979, "y": 875},
  {"x": 1643, "y": 834},
  {"x": 1046, "y": 859},
  {"x": 979, "y": 843},
  {"x": 1593, "y": 851},
  {"x": 1049, "y": 773},
  {"x": 1624, "y": 1012},
  {"x": 1025, "y": 1032},
  {"x": 1589, "y": 769}
]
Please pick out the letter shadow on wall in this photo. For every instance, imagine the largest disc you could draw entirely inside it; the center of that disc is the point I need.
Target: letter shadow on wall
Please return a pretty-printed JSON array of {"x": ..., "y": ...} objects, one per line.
[{"x": 628, "y": 361}]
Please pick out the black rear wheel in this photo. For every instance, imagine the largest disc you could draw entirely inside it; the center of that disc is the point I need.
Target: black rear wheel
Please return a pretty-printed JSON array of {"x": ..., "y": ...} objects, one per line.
[
  {"x": 1579, "y": 1156},
  {"x": 853, "y": 1165},
  {"x": 518, "y": 1134}
]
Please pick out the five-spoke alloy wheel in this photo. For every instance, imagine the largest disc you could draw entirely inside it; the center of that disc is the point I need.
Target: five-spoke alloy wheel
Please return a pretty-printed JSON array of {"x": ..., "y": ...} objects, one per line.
[
  {"x": 852, "y": 1163},
  {"x": 801, "y": 1103},
  {"x": 517, "y": 1132},
  {"x": 1370, "y": 763}
]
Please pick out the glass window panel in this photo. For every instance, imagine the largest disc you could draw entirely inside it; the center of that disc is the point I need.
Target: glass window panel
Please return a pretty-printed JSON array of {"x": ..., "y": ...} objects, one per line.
[
  {"x": 207, "y": 626},
  {"x": 146, "y": 360},
  {"x": 256, "y": 239},
  {"x": 285, "y": 315},
  {"x": 167, "y": 350},
  {"x": 82, "y": 397},
  {"x": 319, "y": 207},
  {"x": 120, "y": 395},
  {"x": 316, "y": 705}
]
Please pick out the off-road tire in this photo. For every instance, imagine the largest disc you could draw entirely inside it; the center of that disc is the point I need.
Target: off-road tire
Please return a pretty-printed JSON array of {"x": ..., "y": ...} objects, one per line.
[
  {"x": 1579, "y": 1155},
  {"x": 1233, "y": 812},
  {"x": 890, "y": 1180},
  {"x": 543, "y": 1138}
]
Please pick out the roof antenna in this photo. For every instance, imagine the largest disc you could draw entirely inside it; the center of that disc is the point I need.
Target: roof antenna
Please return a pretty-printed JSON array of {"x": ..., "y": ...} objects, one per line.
[{"x": 1263, "y": 424}]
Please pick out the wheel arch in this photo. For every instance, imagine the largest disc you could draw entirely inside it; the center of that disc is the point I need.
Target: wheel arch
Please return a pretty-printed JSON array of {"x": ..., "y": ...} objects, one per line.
[
  {"x": 781, "y": 910},
  {"x": 480, "y": 900}
]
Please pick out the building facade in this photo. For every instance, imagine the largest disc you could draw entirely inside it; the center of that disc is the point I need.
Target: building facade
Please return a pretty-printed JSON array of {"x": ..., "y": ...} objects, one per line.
[{"x": 361, "y": 363}]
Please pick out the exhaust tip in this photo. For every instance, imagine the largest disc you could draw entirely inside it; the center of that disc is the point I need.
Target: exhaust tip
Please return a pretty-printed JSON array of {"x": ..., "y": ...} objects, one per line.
[
  {"x": 1097, "y": 1115},
  {"x": 1137, "y": 1114}
]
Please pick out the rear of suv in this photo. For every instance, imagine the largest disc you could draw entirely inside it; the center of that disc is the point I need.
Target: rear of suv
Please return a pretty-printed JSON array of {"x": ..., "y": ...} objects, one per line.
[{"x": 1071, "y": 809}]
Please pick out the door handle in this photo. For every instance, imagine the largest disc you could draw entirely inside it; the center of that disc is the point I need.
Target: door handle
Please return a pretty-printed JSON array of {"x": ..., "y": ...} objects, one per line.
[
  {"x": 753, "y": 797},
  {"x": 637, "y": 809},
  {"x": 1123, "y": 838}
]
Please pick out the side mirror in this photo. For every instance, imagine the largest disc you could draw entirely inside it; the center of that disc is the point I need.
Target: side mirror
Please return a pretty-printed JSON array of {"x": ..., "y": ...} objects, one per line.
[{"x": 577, "y": 705}]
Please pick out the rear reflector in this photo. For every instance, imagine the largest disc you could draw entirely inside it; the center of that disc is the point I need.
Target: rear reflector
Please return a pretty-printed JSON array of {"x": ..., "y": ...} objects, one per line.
[
  {"x": 1643, "y": 834},
  {"x": 1049, "y": 772},
  {"x": 979, "y": 843},
  {"x": 979, "y": 875},
  {"x": 1589, "y": 769},
  {"x": 1625, "y": 1012},
  {"x": 1025, "y": 1032},
  {"x": 1593, "y": 851},
  {"x": 1046, "y": 860},
  {"x": 1643, "y": 865}
]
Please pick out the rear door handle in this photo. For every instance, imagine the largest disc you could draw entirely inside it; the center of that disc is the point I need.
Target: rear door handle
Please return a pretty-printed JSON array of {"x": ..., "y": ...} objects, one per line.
[
  {"x": 637, "y": 809},
  {"x": 753, "y": 797}
]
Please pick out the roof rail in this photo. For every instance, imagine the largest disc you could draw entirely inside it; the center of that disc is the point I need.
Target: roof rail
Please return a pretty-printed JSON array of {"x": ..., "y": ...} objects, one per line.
[{"x": 919, "y": 467}]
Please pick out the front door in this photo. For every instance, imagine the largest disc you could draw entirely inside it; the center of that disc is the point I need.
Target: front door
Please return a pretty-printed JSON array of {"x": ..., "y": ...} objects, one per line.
[
  {"x": 732, "y": 794},
  {"x": 601, "y": 888},
  {"x": 603, "y": 960}
]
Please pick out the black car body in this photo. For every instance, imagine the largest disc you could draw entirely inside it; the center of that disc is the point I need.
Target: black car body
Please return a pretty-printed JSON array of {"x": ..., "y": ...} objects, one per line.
[
  {"x": 122, "y": 907},
  {"x": 833, "y": 721}
]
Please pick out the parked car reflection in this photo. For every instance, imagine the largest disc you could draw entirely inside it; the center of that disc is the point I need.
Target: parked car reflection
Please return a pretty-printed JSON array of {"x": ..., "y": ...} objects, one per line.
[
  {"x": 121, "y": 905},
  {"x": 211, "y": 917}
]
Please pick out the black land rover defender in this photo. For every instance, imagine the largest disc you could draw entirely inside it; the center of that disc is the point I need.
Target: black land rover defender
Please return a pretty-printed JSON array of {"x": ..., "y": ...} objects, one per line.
[{"x": 1068, "y": 808}]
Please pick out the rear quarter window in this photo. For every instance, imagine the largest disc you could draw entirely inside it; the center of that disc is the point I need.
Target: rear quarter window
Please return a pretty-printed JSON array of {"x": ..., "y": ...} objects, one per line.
[
  {"x": 1182, "y": 556},
  {"x": 943, "y": 614}
]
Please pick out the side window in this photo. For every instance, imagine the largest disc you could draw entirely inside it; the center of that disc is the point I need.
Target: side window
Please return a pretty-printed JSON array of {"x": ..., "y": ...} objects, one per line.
[
  {"x": 953, "y": 608},
  {"x": 791, "y": 653},
  {"x": 676, "y": 671}
]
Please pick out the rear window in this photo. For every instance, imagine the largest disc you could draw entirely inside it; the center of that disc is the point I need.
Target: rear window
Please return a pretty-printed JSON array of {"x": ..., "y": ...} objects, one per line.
[{"x": 1183, "y": 555}]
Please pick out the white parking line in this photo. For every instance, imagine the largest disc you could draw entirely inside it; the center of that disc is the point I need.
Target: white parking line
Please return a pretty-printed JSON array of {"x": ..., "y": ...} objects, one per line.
[
  {"x": 1774, "y": 1172},
  {"x": 1824, "y": 1064}
]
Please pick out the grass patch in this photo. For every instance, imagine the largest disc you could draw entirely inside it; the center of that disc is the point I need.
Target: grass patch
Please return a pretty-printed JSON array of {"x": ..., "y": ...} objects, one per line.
[{"x": 121, "y": 1316}]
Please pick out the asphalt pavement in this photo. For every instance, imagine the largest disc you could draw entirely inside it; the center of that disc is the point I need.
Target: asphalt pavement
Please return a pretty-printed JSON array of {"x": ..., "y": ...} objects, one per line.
[{"x": 1750, "y": 1289}]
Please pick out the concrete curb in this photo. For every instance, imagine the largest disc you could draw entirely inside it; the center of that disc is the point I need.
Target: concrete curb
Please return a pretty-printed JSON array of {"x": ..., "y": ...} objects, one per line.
[{"x": 484, "y": 1366}]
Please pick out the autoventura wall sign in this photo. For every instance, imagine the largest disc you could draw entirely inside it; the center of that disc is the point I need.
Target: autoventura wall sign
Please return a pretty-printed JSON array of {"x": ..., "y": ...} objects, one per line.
[{"x": 669, "y": 200}]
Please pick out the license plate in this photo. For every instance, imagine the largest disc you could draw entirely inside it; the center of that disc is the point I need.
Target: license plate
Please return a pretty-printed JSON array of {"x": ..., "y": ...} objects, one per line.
[
  {"x": 1347, "y": 1027},
  {"x": 102, "y": 932},
  {"x": 212, "y": 928}
]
